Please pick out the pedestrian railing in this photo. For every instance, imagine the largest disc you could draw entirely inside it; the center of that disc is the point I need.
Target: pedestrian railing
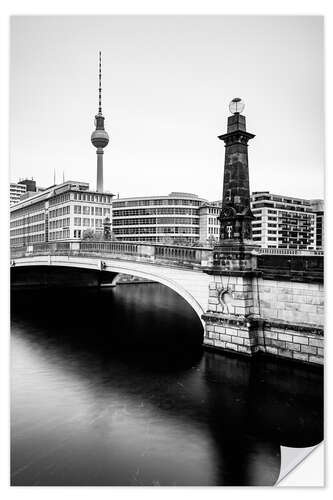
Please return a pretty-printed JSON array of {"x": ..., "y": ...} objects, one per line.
[{"x": 158, "y": 253}]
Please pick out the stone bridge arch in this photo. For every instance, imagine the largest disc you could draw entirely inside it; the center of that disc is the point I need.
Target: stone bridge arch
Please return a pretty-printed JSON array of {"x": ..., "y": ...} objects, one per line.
[{"x": 191, "y": 285}]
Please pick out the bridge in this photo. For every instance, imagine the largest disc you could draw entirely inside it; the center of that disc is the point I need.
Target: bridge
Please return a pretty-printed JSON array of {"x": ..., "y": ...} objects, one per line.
[
  {"x": 276, "y": 308},
  {"x": 179, "y": 268}
]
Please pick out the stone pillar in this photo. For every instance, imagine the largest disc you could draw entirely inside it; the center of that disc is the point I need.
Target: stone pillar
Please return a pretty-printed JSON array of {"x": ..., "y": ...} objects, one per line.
[
  {"x": 232, "y": 320},
  {"x": 234, "y": 251}
]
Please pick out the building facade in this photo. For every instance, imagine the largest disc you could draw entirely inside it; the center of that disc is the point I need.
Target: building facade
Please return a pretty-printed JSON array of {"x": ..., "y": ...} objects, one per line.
[
  {"x": 16, "y": 191},
  {"x": 209, "y": 222},
  {"x": 158, "y": 219},
  {"x": 23, "y": 189},
  {"x": 280, "y": 222},
  {"x": 283, "y": 221},
  {"x": 59, "y": 213},
  {"x": 318, "y": 209}
]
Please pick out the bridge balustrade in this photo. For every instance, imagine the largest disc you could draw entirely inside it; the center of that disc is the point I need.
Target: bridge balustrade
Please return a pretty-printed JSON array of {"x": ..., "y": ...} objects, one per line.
[
  {"x": 285, "y": 261},
  {"x": 288, "y": 251},
  {"x": 178, "y": 254},
  {"x": 174, "y": 255}
]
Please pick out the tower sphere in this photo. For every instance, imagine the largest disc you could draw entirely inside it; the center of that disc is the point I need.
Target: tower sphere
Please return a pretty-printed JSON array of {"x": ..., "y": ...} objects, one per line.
[
  {"x": 237, "y": 105},
  {"x": 100, "y": 138}
]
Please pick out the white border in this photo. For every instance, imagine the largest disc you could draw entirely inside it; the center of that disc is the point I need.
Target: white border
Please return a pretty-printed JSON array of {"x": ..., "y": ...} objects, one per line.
[{"x": 68, "y": 7}]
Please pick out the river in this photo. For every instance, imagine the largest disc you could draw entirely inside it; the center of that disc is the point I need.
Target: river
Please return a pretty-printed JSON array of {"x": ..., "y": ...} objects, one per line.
[{"x": 111, "y": 386}]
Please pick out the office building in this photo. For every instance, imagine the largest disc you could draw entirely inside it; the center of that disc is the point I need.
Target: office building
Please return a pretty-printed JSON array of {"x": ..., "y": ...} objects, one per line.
[
  {"x": 283, "y": 221},
  {"x": 318, "y": 209},
  {"x": 59, "y": 213},
  {"x": 16, "y": 191},
  {"x": 174, "y": 218},
  {"x": 209, "y": 222}
]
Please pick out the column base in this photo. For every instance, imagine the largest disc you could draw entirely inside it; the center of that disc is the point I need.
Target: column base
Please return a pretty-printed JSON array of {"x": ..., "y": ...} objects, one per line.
[{"x": 231, "y": 333}]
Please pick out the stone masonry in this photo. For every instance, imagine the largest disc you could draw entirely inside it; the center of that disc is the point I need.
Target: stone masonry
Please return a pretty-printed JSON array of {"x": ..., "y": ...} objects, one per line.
[{"x": 248, "y": 314}]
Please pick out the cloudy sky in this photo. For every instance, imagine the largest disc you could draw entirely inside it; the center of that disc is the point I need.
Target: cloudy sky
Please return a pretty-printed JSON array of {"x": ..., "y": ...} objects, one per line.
[{"x": 167, "y": 83}]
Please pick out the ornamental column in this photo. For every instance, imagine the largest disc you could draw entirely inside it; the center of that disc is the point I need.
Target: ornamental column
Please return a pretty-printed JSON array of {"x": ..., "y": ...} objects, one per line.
[
  {"x": 232, "y": 320},
  {"x": 235, "y": 245}
]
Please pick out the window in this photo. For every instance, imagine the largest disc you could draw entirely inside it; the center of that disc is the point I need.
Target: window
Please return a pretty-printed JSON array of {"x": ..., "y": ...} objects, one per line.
[
  {"x": 77, "y": 209},
  {"x": 77, "y": 221},
  {"x": 86, "y": 222},
  {"x": 86, "y": 210}
]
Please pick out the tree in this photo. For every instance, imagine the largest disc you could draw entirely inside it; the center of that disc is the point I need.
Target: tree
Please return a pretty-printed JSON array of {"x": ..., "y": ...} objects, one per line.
[
  {"x": 107, "y": 228},
  {"x": 88, "y": 234},
  {"x": 212, "y": 240}
]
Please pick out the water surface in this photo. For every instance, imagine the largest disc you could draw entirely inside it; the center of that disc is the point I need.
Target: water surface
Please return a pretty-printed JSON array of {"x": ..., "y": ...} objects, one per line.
[{"x": 112, "y": 387}]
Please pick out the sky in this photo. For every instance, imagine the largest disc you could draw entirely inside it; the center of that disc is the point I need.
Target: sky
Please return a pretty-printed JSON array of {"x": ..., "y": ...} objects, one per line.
[{"x": 167, "y": 83}]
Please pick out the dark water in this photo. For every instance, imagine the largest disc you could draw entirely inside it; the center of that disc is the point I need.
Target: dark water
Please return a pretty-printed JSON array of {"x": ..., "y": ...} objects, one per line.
[{"x": 112, "y": 387}]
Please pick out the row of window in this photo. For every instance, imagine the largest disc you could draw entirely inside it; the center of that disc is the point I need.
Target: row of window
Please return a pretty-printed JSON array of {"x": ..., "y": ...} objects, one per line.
[
  {"x": 283, "y": 214},
  {"x": 86, "y": 222},
  {"x": 60, "y": 198},
  {"x": 59, "y": 212},
  {"x": 59, "y": 235},
  {"x": 291, "y": 234},
  {"x": 280, "y": 199},
  {"x": 282, "y": 206},
  {"x": 167, "y": 240},
  {"x": 146, "y": 203},
  {"x": 156, "y": 220},
  {"x": 26, "y": 240},
  {"x": 86, "y": 210},
  {"x": 21, "y": 212},
  {"x": 55, "y": 224},
  {"x": 37, "y": 228},
  {"x": 155, "y": 211},
  {"x": 97, "y": 198},
  {"x": 27, "y": 220},
  {"x": 154, "y": 230}
]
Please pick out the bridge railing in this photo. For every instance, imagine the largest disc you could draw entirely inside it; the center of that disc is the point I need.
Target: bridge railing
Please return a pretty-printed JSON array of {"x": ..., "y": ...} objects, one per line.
[
  {"x": 288, "y": 251},
  {"x": 158, "y": 253}
]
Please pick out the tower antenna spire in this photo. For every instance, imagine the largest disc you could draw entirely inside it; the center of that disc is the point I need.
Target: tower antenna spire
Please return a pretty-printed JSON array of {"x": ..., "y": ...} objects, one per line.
[
  {"x": 100, "y": 84},
  {"x": 99, "y": 137}
]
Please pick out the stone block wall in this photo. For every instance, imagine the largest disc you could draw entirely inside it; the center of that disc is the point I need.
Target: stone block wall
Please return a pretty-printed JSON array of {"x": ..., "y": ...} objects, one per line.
[
  {"x": 233, "y": 295},
  {"x": 290, "y": 301},
  {"x": 248, "y": 314},
  {"x": 230, "y": 334},
  {"x": 300, "y": 343}
]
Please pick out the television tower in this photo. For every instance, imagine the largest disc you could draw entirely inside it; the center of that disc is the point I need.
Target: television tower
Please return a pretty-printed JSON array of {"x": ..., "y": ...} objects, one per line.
[{"x": 99, "y": 137}]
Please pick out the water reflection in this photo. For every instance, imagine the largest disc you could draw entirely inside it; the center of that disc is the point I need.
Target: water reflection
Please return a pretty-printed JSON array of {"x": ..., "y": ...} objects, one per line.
[{"x": 111, "y": 387}]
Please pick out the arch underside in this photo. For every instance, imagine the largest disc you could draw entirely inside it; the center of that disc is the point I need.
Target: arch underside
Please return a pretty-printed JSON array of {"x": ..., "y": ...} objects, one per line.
[{"x": 192, "y": 286}]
